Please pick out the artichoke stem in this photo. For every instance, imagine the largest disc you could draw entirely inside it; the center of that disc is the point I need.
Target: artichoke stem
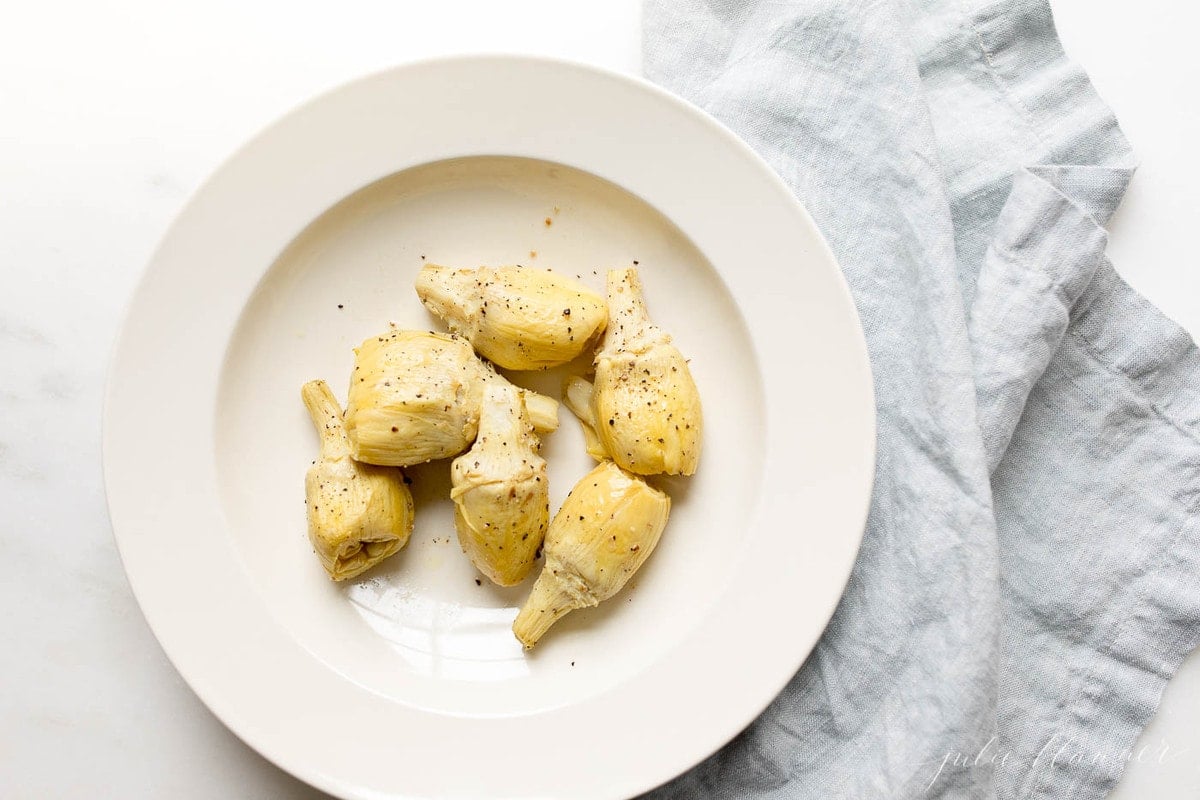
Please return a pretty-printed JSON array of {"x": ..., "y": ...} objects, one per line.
[
  {"x": 627, "y": 314},
  {"x": 549, "y": 602},
  {"x": 326, "y": 415}
]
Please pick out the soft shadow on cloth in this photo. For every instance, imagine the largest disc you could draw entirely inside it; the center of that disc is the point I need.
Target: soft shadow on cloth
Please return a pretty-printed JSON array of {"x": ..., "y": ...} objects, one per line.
[{"x": 1028, "y": 579}]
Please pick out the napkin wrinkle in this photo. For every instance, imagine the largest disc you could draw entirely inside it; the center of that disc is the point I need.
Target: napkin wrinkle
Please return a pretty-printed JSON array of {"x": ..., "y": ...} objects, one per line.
[
  {"x": 1034, "y": 74},
  {"x": 1097, "y": 190},
  {"x": 1004, "y": 96},
  {"x": 1129, "y": 335},
  {"x": 1045, "y": 252}
]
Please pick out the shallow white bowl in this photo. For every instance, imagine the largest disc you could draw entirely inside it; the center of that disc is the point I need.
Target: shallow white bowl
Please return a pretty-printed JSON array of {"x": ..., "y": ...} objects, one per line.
[{"x": 407, "y": 682}]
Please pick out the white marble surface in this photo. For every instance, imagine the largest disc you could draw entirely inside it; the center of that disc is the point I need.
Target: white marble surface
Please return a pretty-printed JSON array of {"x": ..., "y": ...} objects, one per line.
[{"x": 110, "y": 116}]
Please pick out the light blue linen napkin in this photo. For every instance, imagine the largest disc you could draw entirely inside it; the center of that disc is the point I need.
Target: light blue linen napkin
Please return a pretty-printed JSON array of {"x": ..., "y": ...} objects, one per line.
[{"x": 1030, "y": 576}]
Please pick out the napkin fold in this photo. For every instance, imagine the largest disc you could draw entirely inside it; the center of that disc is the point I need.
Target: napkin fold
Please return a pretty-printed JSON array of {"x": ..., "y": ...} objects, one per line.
[{"x": 1030, "y": 575}]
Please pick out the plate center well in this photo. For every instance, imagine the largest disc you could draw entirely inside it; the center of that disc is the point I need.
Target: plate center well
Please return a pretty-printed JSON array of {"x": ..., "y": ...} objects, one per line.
[{"x": 419, "y": 629}]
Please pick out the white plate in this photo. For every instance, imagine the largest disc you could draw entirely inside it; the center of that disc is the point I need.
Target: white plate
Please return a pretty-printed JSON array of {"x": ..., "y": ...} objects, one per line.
[{"x": 408, "y": 683}]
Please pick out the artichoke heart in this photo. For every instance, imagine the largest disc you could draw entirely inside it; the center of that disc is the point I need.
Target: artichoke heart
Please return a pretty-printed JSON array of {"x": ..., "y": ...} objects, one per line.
[
  {"x": 358, "y": 514},
  {"x": 518, "y": 317},
  {"x": 604, "y": 531},
  {"x": 643, "y": 410},
  {"x": 500, "y": 490},
  {"x": 415, "y": 396}
]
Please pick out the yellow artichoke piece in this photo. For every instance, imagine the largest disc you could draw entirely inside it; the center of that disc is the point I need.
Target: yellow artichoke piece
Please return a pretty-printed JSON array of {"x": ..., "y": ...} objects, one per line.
[
  {"x": 358, "y": 514},
  {"x": 501, "y": 491},
  {"x": 415, "y": 396},
  {"x": 518, "y": 317},
  {"x": 604, "y": 531},
  {"x": 643, "y": 410}
]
